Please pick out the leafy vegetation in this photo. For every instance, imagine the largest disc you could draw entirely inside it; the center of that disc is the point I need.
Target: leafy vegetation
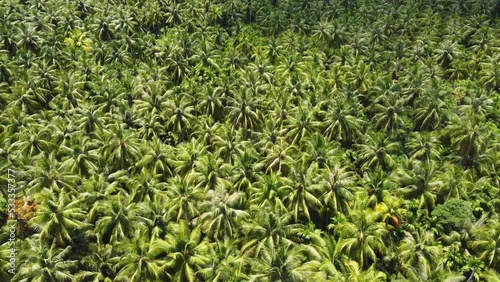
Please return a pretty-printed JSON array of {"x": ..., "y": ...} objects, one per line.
[
  {"x": 240, "y": 140},
  {"x": 454, "y": 214}
]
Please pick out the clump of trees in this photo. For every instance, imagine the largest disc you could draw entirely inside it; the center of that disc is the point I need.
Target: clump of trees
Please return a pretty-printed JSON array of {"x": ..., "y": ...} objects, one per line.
[{"x": 285, "y": 140}]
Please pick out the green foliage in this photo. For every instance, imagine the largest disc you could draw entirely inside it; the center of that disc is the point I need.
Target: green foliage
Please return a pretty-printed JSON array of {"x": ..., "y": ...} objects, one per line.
[
  {"x": 240, "y": 140},
  {"x": 453, "y": 214},
  {"x": 3, "y": 211}
]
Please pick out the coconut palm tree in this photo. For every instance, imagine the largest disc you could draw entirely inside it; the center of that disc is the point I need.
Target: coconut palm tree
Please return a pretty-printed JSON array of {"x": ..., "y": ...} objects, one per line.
[
  {"x": 156, "y": 159},
  {"x": 361, "y": 237},
  {"x": 425, "y": 147},
  {"x": 485, "y": 243},
  {"x": 45, "y": 262},
  {"x": 59, "y": 220},
  {"x": 337, "y": 185},
  {"x": 388, "y": 111},
  {"x": 302, "y": 196},
  {"x": 301, "y": 125},
  {"x": 33, "y": 141},
  {"x": 283, "y": 265},
  {"x": 211, "y": 173},
  {"x": 490, "y": 74},
  {"x": 419, "y": 255},
  {"x": 245, "y": 172},
  {"x": 115, "y": 219},
  {"x": 227, "y": 263},
  {"x": 121, "y": 149},
  {"x": 137, "y": 260},
  {"x": 222, "y": 213},
  {"x": 183, "y": 198},
  {"x": 266, "y": 232},
  {"x": 269, "y": 192},
  {"x": 185, "y": 251},
  {"x": 186, "y": 155},
  {"x": 447, "y": 53},
  {"x": 179, "y": 118},
  {"x": 418, "y": 184},
  {"x": 468, "y": 139},
  {"x": 97, "y": 265},
  {"x": 244, "y": 112},
  {"x": 376, "y": 152},
  {"x": 430, "y": 111},
  {"x": 340, "y": 125}
]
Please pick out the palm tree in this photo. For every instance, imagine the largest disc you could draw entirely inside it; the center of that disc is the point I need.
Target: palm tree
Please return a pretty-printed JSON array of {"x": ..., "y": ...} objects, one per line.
[
  {"x": 4, "y": 271},
  {"x": 359, "y": 77},
  {"x": 278, "y": 157},
  {"x": 212, "y": 102},
  {"x": 447, "y": 53},
  {"x": 179, "y": 118},
  {"x": 185, "y": 251},
  {"x": 356, "y": 273},
  {"x": 137, "y": 260},
  {"x": 183, "y": 199},
  {"x": 361, "y": 237},
  {"x": 33, "y": 141},
  {"x": 430, "y": 111},
  {"x": 490, "y": 74},
  {"x": 206, "y": 57},
  {"x": 49, "y": 176},
  {"x": 291, "y": 67},
  {"x": 245, "y": 172},
  {"x": 325, "y": 261},
  {"x": 302, "y": 196},
  {"x": 91, "y": 120},
  {"x": 45, "y": 262},
  {"x": 418, "y": 184},
  {"x": 451, "y": 183},
  {"x": 227, "y": 263},
  {"x": 97, "y": 265},
  {"x": 340, "y": 125},
  {"x": 222, "y": 214},
  {"x": 178, "y": 67},
  {"x": 173, "y": 14},
  {"x": 244, "y": 112},
  {"x": 376, "y": 152},
  {"x": 419, "y": 255},
  {"x": 80, "y": 159},
  {"x": 468, "y": 139},
  {"x": 283, "y": 265},
  {"x": 389, "y": 111},
  {"x": 186, "y": 156},
  {"x": 425, "y": 147},
  {"x": 153, "y": 99},
  {"x": 337, "y": 186},
  {"x": 228, "y": 143},
  {"x": 121, "y": 148},
  {"x": 378, "y": 184},
  {"x": 156, "y": 159},
  {"x": 210, "y": 173},
  {"x": 269, "y": 191},
  {"x": 266, "y": 232},
  {"x": 486, "y": 242},
  {"x": 146, "y": 187},
  {"x": 59, "y": 219},
  {"x": 477, "y": 102},
  {"x": 115, "y": 219},
  {"x": 301, "y": 125}
]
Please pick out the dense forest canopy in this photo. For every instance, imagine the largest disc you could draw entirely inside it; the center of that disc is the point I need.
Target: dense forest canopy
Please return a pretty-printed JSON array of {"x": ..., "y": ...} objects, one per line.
[{"x": 244, "y": 140}]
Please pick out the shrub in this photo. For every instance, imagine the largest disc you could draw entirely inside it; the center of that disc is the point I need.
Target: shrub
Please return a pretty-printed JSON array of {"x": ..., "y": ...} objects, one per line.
[{"x": 453, "y": 214}]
